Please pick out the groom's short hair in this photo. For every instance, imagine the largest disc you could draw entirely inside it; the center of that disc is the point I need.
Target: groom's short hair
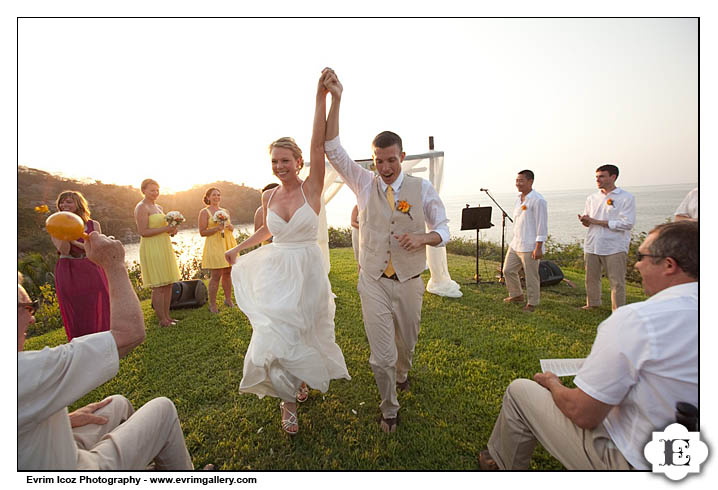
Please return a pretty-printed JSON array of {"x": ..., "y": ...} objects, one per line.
[{"x": 385, "y": 139}]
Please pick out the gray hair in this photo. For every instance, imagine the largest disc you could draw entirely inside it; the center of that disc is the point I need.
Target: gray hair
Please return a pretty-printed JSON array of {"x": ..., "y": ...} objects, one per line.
[{"x": 678, "y": 240}]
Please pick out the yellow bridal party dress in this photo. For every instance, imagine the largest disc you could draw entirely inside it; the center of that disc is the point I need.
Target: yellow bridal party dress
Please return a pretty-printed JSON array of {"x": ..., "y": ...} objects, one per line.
[
  {"x": 216, "y": 245},
  {"x": 158, "y": 262}
]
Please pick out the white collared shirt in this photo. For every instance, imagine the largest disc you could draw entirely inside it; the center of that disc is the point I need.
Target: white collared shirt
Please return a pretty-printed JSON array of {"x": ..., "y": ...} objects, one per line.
[
  {"x": 689, "y": 205},
  {"x": 530, "y": 222},
  {"x": 48, "y": 381},
  {"x": 360, "y": 181},
  {"x": 621, "y": 216},
  {"x": 643, "y": 361}
]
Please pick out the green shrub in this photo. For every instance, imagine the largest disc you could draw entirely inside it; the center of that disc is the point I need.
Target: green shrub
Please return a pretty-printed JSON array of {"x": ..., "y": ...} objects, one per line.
[
  {"x": 466, "y": 246},
  {"x": 136, "y": 279},
  {"x": 340, "y": 237},
  {"x": 37, "y": 269},
  {"x": 48, "y": 316}
]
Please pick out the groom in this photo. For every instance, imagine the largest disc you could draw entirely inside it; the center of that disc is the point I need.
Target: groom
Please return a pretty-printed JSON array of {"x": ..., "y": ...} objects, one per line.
[{"x": 393, "y": 210}]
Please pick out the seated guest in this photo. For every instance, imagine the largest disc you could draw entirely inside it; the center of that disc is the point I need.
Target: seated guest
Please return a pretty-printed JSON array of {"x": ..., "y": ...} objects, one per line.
[
  {"x": 644, "y": 360},
  {"x": 101, "y": 436},
  {"x": 688, "y": 208}
]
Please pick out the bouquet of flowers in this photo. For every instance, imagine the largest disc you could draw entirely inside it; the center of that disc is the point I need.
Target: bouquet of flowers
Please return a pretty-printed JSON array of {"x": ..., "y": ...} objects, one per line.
[
  {"x": 174, "y": 218},
  {"x": 221, "y": 217}
]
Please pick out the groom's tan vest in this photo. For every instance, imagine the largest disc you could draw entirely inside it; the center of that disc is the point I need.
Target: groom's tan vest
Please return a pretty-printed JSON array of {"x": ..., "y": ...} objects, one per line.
[{"x": 378, "y": 224}]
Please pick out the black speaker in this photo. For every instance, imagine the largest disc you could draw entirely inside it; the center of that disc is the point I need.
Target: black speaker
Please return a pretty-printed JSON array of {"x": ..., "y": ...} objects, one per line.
[
  {"x": 188, "y": 294},
  {"x": 549, "y": 273}
]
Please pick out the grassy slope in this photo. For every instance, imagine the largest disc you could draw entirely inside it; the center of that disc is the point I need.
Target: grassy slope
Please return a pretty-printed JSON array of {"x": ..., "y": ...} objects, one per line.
[{"x": 469, "y": 350}]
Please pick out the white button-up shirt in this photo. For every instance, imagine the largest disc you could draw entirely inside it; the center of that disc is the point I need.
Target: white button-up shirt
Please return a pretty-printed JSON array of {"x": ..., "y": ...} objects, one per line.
[
  {"x": 643, "y": 361},
  {"x": 530, "y": 222},
  {"x": 48, "y": 381},
  {"x": 360, "y": 182},
  {"x": 689, "y": 205},
  {"x": 621, "y": 216}
]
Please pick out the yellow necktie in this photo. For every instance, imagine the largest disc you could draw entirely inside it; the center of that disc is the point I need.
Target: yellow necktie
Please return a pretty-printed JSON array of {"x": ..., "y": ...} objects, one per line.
[{"x": 389, "y": 271}]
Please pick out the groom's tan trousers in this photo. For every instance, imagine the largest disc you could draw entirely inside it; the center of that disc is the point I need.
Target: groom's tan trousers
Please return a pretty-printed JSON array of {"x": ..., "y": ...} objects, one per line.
[{"x": 392, "y": 314}]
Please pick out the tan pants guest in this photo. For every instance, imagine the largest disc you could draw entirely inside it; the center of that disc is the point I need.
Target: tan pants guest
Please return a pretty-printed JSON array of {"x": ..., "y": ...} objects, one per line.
[
  {"x": 529, "y": 415},
  {"x": 512, "y": 265},
  {"x": 615, "y": 267},
  {"x": 131, "y": 440}
]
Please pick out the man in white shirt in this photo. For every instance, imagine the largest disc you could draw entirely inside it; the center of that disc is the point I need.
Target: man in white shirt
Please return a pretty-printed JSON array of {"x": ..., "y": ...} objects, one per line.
[
  {"x": 688, "y": 209},
  {"x": 644, "y": 360},
  {"x": 609, "y": 215},
  {"x": 527, "y": 246},
  {"x": 107, "y": 435},
  {"x": 394, "y": 209}
]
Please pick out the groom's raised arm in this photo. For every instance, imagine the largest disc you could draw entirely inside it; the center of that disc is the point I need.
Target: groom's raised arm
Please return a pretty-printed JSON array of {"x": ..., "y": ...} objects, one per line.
[{"x": 353, "y": 174}]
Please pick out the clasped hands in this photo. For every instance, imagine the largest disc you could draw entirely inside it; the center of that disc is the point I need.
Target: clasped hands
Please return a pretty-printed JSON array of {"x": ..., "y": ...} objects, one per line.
[{"x": 585, "y": 220}]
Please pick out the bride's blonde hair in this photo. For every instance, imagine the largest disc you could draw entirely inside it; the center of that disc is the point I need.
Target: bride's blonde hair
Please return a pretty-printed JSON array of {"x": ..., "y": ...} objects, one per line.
[{"x": 288, "y": 143}]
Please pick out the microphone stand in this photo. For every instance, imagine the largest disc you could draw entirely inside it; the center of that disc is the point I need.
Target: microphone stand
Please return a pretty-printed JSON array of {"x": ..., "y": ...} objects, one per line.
[{"x": 504, "y": 215}]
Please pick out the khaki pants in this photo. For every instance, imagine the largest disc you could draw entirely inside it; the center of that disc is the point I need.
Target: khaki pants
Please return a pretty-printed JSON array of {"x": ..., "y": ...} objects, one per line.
[
  {"x": 131, "y": 440},
  {"x": 392, "y": 313},
  {"x": 512, "y": 265},
  {"x": 529, "y": 415},
  {"x": 615, "y": 267}
]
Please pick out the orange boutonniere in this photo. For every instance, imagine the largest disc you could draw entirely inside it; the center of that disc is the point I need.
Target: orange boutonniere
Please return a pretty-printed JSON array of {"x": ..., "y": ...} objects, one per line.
[
  {"x": 523, "y": 208},
  {"x": 404, "y": 207},
  {"x": 610, "y": 202}
]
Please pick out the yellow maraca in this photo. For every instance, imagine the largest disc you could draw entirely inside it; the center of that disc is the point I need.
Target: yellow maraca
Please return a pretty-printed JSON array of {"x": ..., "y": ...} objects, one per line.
[{"x": 65, "y": 226}]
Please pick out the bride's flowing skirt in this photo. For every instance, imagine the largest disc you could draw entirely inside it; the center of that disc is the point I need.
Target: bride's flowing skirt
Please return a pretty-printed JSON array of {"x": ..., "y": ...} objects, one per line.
[{"x": 285, "y": 293}]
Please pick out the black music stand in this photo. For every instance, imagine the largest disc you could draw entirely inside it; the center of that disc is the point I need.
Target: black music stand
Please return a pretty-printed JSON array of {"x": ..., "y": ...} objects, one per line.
[{"x": 476, "y": 219}]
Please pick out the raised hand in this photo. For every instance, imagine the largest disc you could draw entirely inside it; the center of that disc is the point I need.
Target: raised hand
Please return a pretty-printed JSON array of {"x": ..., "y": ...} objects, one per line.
[
  {"x": 331, "y": 82},
  {"x": 104, "y": 251}
]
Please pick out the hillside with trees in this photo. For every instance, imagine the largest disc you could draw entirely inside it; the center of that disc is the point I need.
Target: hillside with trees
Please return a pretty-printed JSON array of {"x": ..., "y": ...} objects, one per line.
[{"x": 113, "y": 205}]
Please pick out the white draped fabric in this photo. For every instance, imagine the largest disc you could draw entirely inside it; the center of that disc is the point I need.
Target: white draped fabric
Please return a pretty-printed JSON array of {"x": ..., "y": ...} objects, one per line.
[{"x": 429, "y": 166}]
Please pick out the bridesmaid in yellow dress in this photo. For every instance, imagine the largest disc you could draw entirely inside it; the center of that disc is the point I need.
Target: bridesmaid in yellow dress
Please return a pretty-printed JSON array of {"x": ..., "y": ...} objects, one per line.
[
  {"x": 158, "y": 263},
  {"x": 218, "y": 239}
]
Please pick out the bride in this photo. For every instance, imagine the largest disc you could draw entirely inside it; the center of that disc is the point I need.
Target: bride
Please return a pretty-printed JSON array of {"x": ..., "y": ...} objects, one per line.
[{"x": 283, "y": 287}]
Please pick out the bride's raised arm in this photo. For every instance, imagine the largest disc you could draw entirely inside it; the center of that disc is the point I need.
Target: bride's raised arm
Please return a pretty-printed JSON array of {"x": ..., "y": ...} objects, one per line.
[{"x": 315, "y": 180}]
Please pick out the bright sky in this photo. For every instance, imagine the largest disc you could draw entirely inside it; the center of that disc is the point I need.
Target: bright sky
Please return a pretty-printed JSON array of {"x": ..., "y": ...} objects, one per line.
[{"x": 191, "y": 101}]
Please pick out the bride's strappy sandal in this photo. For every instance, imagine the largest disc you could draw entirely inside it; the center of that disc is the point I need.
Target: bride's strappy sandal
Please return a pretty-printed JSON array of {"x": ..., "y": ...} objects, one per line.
[
  {"x": 289, "y": 422},
  {"x": 303, "y": 393}
]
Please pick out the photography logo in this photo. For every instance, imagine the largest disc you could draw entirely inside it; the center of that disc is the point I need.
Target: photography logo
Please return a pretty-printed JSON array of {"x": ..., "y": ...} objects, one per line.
[{"x": 676, "y": 452}]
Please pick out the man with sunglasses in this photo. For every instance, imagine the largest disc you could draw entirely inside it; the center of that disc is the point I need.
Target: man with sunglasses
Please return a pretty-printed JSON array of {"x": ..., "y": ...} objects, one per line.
[
  {"x": 644, "y": 360},
  {"x": 107, "y": 435}
]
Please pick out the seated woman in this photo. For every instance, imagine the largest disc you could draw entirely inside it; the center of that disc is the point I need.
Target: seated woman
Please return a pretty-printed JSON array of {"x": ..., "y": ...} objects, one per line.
[{"x": 80, "y": 284}]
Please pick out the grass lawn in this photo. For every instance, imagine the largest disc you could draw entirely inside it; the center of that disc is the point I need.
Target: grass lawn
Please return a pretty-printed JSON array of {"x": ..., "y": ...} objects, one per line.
[{"x": 469, "y": 350}]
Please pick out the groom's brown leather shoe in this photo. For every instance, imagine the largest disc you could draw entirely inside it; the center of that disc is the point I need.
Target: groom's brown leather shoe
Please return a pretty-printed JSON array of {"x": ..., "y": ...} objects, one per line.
[
  {"x": 486, "y": 462},
  {"x": 388, "y": 425}
]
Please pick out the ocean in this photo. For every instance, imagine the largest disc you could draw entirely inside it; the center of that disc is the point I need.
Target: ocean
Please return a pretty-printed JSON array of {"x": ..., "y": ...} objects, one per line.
[{"x": 654, "y": 205}]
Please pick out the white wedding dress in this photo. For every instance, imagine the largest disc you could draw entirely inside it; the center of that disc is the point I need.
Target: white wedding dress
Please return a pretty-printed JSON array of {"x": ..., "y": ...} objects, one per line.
[{"x": 285, "y": 292}]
